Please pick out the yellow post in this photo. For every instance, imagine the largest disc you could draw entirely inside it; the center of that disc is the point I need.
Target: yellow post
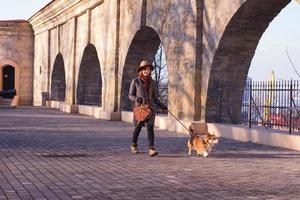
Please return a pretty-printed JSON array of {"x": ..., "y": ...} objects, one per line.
[{"x": 268, "y": 101}]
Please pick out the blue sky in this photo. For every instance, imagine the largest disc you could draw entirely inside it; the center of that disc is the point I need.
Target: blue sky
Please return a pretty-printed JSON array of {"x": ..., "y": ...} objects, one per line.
[
  {"x": 20, "y": 9},
  {"x": 282, "y": 33}
]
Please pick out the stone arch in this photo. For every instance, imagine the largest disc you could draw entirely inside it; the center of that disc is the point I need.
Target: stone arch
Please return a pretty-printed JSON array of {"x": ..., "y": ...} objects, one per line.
[
  {"x": 89, "y": 86},
  {"x": 58, "y": 79},
  {"x": 143, "y": 46},
  {"x": 16, "y": 67},
  {"x": 237, "y": 46}
]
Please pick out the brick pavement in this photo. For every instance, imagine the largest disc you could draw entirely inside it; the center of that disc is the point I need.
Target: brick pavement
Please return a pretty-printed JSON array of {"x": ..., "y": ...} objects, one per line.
[{"x": 46, "y": 154}]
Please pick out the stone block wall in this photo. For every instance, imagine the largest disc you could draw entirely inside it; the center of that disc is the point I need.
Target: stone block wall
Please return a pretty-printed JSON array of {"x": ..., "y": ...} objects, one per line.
[
  {"x": 16, "y": 49},
  {"x": 204, "y": 41}
]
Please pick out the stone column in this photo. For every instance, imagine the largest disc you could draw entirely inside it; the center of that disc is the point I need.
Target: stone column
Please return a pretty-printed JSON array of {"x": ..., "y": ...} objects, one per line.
[{"x": 71, "y": 105}]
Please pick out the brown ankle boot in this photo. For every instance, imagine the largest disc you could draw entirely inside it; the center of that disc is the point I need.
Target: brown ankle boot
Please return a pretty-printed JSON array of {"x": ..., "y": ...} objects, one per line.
[
  {"x": 152, "y": 152},
  {"x": 134, "y": 148}
]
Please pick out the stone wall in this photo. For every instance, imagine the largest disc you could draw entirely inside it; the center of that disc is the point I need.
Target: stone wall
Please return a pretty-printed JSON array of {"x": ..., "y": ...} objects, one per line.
[
  {"x": 16, "y": 49},
  {"x": 175, "y": 24},
  {"x": 204, "y": 41},
  {"x": 68, "y": 32}
]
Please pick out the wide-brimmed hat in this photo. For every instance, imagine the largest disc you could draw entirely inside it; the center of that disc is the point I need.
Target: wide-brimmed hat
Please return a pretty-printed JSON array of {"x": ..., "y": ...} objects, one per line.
[{"x": 144, "y": 64}]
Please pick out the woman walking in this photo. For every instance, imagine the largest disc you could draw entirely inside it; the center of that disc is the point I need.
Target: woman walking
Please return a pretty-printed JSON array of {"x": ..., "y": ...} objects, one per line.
[{"x": 143, "y": 90}]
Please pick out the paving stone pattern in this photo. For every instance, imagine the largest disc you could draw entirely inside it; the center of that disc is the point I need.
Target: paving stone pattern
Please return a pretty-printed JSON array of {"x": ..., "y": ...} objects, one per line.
[{"x": 46, "y": 154}]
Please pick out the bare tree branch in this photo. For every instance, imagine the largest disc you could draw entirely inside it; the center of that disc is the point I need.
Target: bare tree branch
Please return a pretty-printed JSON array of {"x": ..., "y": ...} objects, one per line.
[
  {"x": 161, "y": 75},
  {"x": 288, "y": 55}
]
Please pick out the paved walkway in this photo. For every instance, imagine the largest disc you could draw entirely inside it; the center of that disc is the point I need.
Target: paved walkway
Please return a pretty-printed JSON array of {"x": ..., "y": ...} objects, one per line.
[{"x": 46, "y": 154}]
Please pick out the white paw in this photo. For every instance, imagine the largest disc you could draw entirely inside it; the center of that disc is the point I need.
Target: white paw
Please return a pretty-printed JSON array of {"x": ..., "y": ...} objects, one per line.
[{"x": 205, "y": 154}]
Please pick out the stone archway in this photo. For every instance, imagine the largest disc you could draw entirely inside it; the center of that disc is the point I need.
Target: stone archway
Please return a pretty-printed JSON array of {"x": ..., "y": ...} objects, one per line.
[
  {"x": 58, "y": 80},
  {"x": 143, "y": 46},
  {"x": 89, "y": 87},
  {"x": 237, "y": 46}
]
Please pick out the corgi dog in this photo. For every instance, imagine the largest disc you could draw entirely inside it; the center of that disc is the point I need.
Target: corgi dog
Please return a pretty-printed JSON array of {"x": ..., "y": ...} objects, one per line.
[{"x": 202, "y": 146}]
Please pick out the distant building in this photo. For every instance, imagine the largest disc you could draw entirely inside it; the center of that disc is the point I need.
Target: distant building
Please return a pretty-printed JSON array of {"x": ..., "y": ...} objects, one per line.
[{"x": 246, "y": 96}]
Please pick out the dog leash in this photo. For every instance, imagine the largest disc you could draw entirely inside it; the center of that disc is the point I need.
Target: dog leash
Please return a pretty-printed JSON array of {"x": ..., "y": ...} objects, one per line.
[{"x": 191, "y": 132}]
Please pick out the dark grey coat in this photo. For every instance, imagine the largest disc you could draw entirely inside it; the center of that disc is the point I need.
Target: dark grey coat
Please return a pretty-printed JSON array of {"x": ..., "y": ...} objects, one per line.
[{"x": 136, "y": 90}]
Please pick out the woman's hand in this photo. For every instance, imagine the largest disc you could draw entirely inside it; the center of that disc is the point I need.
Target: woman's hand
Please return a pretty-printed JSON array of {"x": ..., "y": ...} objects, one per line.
[
  {"x": 140, "y": 100},
  {"x": 164, "y": 108}
]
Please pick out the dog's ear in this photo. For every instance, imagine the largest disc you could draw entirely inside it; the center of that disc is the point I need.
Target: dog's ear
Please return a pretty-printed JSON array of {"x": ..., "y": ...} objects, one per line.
[
  {"x": 211, "y": 134},
  {"x": 206, "y": 138},
  {"x": 214, "y": 134}
]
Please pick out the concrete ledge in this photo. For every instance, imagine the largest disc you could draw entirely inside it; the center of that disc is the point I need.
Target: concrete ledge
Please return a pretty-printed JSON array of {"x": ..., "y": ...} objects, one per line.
[
  {"x": 115, "y": 116},
  {"x": 99, "y": 113},
  {"x": 93, "y": 111},
  {"x": 199, "y": 127},
  {"x": 170, "y": 124},
  {"x": 48, "y": 103},
  {"x": 127, "y": 116},
  {"x": 62, "y": 106},
  {"x": 257, "y": 135},
  {"x": 68, "y": 108},
  {"x": 15, "y": 101},
  {"x": 54, "y": 104}
]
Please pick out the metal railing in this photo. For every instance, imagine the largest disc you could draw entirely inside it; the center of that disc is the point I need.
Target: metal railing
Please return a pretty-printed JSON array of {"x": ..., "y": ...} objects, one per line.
[
  {"x": 58, "y": 92},
  {"x": 269, "y": 104},
  {"x": 89, "y": 95}
]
